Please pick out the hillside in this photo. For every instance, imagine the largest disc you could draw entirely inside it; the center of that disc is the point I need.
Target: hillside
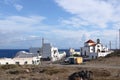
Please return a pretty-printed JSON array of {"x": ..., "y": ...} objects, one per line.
[{"x": 107, "y": 68}]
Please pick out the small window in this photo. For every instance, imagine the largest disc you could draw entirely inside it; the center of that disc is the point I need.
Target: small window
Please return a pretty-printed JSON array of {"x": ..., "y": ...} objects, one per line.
[
  {"x": 55, "y": 51},
  {"x": 98, "y": 46},
  {"x": 40, "y": 54},
  {"x": 25, "y": 62},
  {"x": 33, "y": 62},
  {"x": 91, "y": 49},
  {"x": 17, "y": 63},
  {"x": 37, "y": 60},
  {"x": 92, "y": 57},
  {"x": 7, "y": 63},
  {"x": 85, "y": 53},
  {"x": 38, "y": 51}
]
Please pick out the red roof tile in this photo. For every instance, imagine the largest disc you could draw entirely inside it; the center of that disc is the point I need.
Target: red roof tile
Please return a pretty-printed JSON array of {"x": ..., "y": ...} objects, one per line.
[{"x": 90, "y": 41}]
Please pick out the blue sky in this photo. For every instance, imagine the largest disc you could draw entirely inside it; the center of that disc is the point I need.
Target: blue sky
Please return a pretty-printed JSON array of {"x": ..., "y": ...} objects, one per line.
[{"x": 64, "y": 23}]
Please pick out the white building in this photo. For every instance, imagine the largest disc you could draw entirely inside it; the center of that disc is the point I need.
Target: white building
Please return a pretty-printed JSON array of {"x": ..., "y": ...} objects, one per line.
[
  {"x": 73, "y": 52},
  {"x": 22, "y": 58},
  {"x": 93, "y": 49},
  {"x": 34, "y": 55},
  {"x": 47, "y": 51}
]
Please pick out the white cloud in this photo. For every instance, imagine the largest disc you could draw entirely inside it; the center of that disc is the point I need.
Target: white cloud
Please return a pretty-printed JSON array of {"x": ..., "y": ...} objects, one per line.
[
  {"x": 23, "y": 32},
  {"x": 75, "y": 22},
  {"x": 76, "y": 38},
  {"x": 13, "y": 3},
  {"x": 94, "y": 12},
  {"x": 18, "y": 7},
  {"x": 17, "y": 29},
  {"x": 20, "y": 23}
]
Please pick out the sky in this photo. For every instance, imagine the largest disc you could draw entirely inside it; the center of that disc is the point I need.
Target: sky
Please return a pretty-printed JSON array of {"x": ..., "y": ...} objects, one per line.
[{"x": 63, "y": 23}]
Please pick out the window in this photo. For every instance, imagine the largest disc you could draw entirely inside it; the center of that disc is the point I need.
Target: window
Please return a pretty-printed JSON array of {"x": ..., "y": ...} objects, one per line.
[
  {"x": 38, "y": 51},
  {"x": 55, "y": 51},
  {"x": 98, "y": 46},
  {"x": 92, "y": 57},
  {"x": 98, "y": 50},
  {"x": 7, "y": 63},
  {"x": 25, "y": 62},
  {"x": 37, "y": 60},
  {"x": 33, "y": 62},
  {"x": 91, "y": 49},
  {"x": 85, "y": 53},
  {"x": 17, "y": 63}
]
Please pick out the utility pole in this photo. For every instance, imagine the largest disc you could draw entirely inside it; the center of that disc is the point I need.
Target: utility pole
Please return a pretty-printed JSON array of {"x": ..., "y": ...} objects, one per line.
[
  {"x": 116, "y": 41},
  {"x": 41, "y": 50},
  {"x": 110, "y": 45},
  {"x": 119, "y": 39}
]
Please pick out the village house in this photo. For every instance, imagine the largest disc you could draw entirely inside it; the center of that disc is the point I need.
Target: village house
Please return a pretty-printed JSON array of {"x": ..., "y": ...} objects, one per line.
[
  {"x": 22, "y": 58},
  {"x": 92, "y": 49}
]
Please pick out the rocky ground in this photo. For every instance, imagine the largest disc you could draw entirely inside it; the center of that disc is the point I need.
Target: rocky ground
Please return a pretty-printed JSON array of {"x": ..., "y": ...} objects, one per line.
[{"x": 102, "y": 68}]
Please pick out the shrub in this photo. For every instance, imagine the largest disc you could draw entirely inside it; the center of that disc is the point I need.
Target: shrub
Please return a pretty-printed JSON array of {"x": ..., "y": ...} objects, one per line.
[
  {"x": 13, "y": 72},
  {"x": 52, "y": 71},
  {"x": 101, "y": 73},
  {"x": 8, "y": 66}
]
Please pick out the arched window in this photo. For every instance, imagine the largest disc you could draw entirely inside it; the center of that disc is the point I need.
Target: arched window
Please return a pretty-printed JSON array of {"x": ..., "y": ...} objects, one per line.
[
  {"x": 98, "y": 50},
  {"x": 25, "y": 62}
]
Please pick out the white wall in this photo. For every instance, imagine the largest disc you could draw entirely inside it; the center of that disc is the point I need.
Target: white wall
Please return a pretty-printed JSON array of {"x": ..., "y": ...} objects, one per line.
[
  {"x": 104, "y": 54},
  {"x": 20, "y": 61},
  {"x": 6, "y": 61}
]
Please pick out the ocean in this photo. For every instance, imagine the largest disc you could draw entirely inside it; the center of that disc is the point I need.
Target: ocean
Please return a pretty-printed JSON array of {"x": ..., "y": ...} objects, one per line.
[{"x": 10, "y": 53}]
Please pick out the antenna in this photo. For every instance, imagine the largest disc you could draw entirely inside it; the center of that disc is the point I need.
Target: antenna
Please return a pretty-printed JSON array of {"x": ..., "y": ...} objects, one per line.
[{"x": 42, "y": 41}]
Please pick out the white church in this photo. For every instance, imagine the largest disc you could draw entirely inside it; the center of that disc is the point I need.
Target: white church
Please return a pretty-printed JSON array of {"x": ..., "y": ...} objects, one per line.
[
  {"x": 92, "y": 49},
  {"x": 48, "y": 52}
]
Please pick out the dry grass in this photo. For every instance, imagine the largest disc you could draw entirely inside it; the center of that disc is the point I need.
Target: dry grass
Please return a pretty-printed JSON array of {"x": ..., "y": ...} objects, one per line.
[{"x": 54, "y": 73}]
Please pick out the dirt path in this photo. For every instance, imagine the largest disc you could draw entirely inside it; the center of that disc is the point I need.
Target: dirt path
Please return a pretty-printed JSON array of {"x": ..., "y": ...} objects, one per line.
[{"x": 88, "y": 66}]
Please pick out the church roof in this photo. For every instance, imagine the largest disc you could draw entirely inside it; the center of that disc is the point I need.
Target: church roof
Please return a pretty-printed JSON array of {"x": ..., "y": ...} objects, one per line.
[{"x": 90, "y": 41}]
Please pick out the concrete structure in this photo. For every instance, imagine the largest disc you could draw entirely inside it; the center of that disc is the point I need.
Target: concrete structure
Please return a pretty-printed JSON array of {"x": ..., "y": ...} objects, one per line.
[
  {"x": 47, "y": 51},
  {"x": 93, "y": 49}
]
